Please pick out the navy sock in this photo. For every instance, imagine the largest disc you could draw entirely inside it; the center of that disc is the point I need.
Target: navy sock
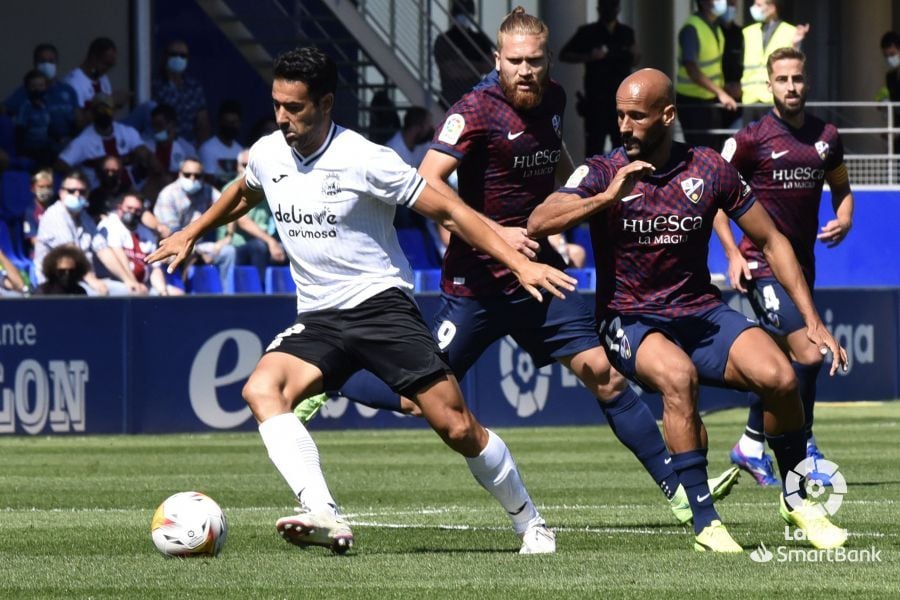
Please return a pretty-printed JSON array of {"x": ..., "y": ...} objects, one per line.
[
  {"x": 691, "y": 469},
  {"x": 790, "y": 451},
  {"x": 633, "y": 423},
  {"x": 806, "y": 381},
  {"x": 364, "y": 388},
  {"x": 755, "y": 430}
]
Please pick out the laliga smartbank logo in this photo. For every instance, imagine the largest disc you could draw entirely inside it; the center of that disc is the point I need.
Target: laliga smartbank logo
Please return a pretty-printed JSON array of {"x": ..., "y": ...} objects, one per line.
[{"x": 815, "y": 477}]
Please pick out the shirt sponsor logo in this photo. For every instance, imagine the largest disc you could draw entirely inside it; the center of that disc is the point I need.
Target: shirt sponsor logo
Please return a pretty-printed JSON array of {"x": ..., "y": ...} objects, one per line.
[
  {"x": 777, "y": 155},
  {"x": 542, "y": 162},
  {"x": 452, "y": 129},
  {"x": 511, "y": 136},
  {"x": 693, "y": 188},
  {"x": 798, "y": 177}
]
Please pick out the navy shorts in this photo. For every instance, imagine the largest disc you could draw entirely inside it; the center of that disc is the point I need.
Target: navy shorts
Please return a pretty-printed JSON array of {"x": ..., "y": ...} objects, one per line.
[
  {"x": 775, "y": 310},
  {"x": 464, "y": 327},
  {"x": 706, "y": 337},
  {"x": 386, "y": 334}
]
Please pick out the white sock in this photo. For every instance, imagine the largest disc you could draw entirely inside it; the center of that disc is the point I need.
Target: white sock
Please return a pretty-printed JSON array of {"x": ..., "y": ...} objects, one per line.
[
  {"x": 750, "y": 447},
  {"x": 496, "y": 471},
  {"x": 294, "y": 454}
]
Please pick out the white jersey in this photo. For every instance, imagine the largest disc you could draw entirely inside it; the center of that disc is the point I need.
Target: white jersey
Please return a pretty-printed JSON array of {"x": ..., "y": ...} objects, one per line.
[
  {"x": 334, "y": 211},
  {"x": 84, "y": 85}
]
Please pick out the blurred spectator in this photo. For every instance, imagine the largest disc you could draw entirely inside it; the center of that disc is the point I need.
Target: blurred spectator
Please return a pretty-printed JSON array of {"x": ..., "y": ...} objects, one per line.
[
  {"x": 183, "y": 93},
  {"x": 732, "y": 62},
  {"x": 90, "y": 79},
  {"x": 463, "y": 53},
  {"x": 66, "y": 223},
  {"x": 65, "y": 268},
  {"x": 574, "y": 254},
  {"x": 762, "y": 38},
  {"x": 113, "y": 184},
  {"x": 169, "y": 147},
  {"x": 254, "y": 237},
  {"x": 131, "y": 241},
  {"x": 105, "y": 137},
  {"x": 263, "y": 127},
  {"x": 66, "y": 118},
  {"x": 890, "y": 48},
  {"x": 183, "y": 201},
  {"x": 32, "y": 122},
  {"x": 12, "y": 284},
  {"x": 412, "y": 142},
  {"x": 698, "y": 87},
  {"x": 383, "y": 118},
  {"x": 608, "y": 50},
  {"x": 42, "y": 190},
  {"x": 218, "y": 152}
]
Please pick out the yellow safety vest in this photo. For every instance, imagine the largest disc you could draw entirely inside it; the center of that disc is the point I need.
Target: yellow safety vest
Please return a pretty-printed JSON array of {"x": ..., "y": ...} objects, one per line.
[
  {"x": 712, "y": 44},
  {"x": 753, "y": 82}
]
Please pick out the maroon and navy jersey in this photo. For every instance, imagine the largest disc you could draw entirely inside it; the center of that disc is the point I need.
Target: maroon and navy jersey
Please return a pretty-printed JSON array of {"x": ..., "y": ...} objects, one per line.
[
  {"x": 651, "y": 247},
  {"x": 507, "y": 164},
  {"x": 786, "y": 168}
]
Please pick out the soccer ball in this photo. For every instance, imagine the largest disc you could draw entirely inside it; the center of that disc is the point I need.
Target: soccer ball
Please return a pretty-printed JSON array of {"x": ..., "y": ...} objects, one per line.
[{"x": 189, "y": 524}]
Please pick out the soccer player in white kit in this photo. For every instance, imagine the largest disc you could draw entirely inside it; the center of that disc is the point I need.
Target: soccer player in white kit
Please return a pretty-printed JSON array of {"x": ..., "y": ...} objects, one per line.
[{"x": 333, "y": 195}]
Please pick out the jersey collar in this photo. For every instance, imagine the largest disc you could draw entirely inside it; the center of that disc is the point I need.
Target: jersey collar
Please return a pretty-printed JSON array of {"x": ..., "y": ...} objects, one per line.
[{"x": 306, "y": 160}]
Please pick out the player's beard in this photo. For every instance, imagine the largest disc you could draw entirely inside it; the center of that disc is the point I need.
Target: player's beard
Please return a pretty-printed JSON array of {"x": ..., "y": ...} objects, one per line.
[
  {"x": 641, "y": 149},
  {"x": 786, "y": 111},
  {"x": 524, "y": 100}
]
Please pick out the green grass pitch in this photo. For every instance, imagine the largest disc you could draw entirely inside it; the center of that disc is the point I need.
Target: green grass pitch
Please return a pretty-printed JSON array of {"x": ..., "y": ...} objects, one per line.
[{"x": 75, "y": 514}]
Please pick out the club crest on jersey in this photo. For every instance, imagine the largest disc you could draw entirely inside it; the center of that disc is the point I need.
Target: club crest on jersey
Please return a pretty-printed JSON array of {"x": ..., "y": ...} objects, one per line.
[
  {"x": 331, "y": 186},
  {"x": 557, "y": 125},
  {"x": 693, "y": 188},
  {"x": 452, "y": 129},
  {"x": 822, "y": 148}
]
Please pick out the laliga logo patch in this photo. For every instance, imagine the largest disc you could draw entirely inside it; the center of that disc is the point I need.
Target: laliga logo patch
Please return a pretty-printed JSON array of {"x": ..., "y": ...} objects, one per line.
[
  {"x": 524, "y": 387},
  {"x": 331, "y": 186},
  {"x": 557, "y": 125},
  {"x": 576, "y": 176},
  {"x": 693, "y": 188},
  {"x": 452, "y": 129},
  {"x": 822, "y": 148},
  {"x": 729, "y": 149}
]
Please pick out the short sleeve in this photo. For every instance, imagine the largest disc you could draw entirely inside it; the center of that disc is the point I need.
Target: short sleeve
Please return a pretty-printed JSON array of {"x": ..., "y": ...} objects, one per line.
[
  {"x": 464, "y": 127},
  {"x": 734, "y": 194},
  {"x": 588, "y": 179},
  {"x": 390, "y": 179},
  {"x": 251, "y": 173},
  {"x": 581, "y": 43},
  {"x": 835, "y": 156},
  {"x": 739, "y": 151},
  {"x": 689, "y": 43}
]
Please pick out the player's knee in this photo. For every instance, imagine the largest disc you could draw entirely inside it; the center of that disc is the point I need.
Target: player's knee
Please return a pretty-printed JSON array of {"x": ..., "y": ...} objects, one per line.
[
  {"x": 259, "y": 392},
  {"x": 809, "y": 355},
  {"x": 677, "y": 381},
  {"x": 780, "y": 380}
]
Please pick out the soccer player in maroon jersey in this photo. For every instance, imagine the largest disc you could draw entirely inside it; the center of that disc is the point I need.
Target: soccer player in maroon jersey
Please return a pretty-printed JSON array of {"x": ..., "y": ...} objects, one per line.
[
  {"x": 650, "y": 206},
  {"x": 786, "y": 157}
]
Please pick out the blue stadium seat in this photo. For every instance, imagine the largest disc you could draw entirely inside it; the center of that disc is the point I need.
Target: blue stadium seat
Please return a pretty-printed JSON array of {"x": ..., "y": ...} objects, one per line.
[
  {"x": 246, "y": 280},
  {"x": 582, "y": 236},
  {"x": 587, "y": 278},
  {"x": 418, "y": 248},
  {"x": 427, "y": 281},
  {"x": 204, "y": 279},
  {"x": 279, "y": 281},
  {"x": 15, "y": 194}
]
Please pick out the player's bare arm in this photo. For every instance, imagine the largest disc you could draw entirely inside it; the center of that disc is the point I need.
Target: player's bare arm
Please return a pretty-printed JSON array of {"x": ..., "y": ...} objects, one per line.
[
  {"x": 235, "y": 201},
  {"x": 738, "y": 270},
  {"x": 759, "y": 227},
  {"x": 436, "y": 168},
  {"x": 455, "y": 215},
  {"x": 562, "y": 211},
  {"x": 835, "y": 230}
]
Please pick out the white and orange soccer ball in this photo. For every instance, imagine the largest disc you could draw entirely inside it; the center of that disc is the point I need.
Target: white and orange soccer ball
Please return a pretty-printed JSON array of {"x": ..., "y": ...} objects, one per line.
[{"x": 189, "y": 524}]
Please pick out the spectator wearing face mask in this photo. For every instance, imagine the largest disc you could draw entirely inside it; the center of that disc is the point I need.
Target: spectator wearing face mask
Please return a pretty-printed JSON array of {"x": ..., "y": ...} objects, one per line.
[
  {"x": 178, "y": 89},
  {"x": 90, "y": 78},
  {"x": 65, "y": 268},
  {"x": 61, "y": 100},
  {"x": 42, "y": 192},
  {"x": 166, "y": 143},
  {"x": 218, "y": 152},
  {"x": 182, "y": 202},
  {"x": 32, "y": 123},
  {"x": 105, "y": 137},
  {"x": 131, "y": 241}
]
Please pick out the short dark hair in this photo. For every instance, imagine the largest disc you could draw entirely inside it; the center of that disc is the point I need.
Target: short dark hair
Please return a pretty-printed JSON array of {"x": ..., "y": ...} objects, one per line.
[
  {"x": 48, "y": 265},
  {"x": 76, "y": 174},
  {"x": 230, "y": 107},
  {"x": 891, "y": 38},
  {"x": 41, "y": 48},
  {"x": 166, "y": 111},
  {"x": 415, "y": 116},
  {"x": 32, "y": 75},
  {"x": 100, "y": 46},
  {"x": 311, "y": 66}
]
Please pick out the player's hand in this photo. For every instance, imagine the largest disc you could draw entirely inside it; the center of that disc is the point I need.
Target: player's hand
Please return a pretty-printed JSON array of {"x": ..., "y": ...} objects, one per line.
[
  {"x": 626, "y": 178},
  {"x": 738, "y": 271},
  {"x": 177, "y": 247},
  {"x": 834, "y": 232},
  {"x": 727, "y": 101},
  {"x": 276, "y": 251},
  {"x": 826, "y": 343},
  {"x": 517, "y": 237},
  {"x": 538, "y": 275}
]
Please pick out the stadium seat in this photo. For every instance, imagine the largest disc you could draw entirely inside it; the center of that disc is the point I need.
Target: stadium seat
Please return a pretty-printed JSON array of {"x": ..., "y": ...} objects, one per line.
[
  {"x": 427, "y": 281},
  {"x": 204, "y": 279},
  {"x": 419, "y": 250},
  {"x": 587, "y": 279},
  {"x": 15, "y": 194},
  {"x": 246, "y": 280},
  {"x": 582, "y": 236},
  {"x": 279, "y": 281}
]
